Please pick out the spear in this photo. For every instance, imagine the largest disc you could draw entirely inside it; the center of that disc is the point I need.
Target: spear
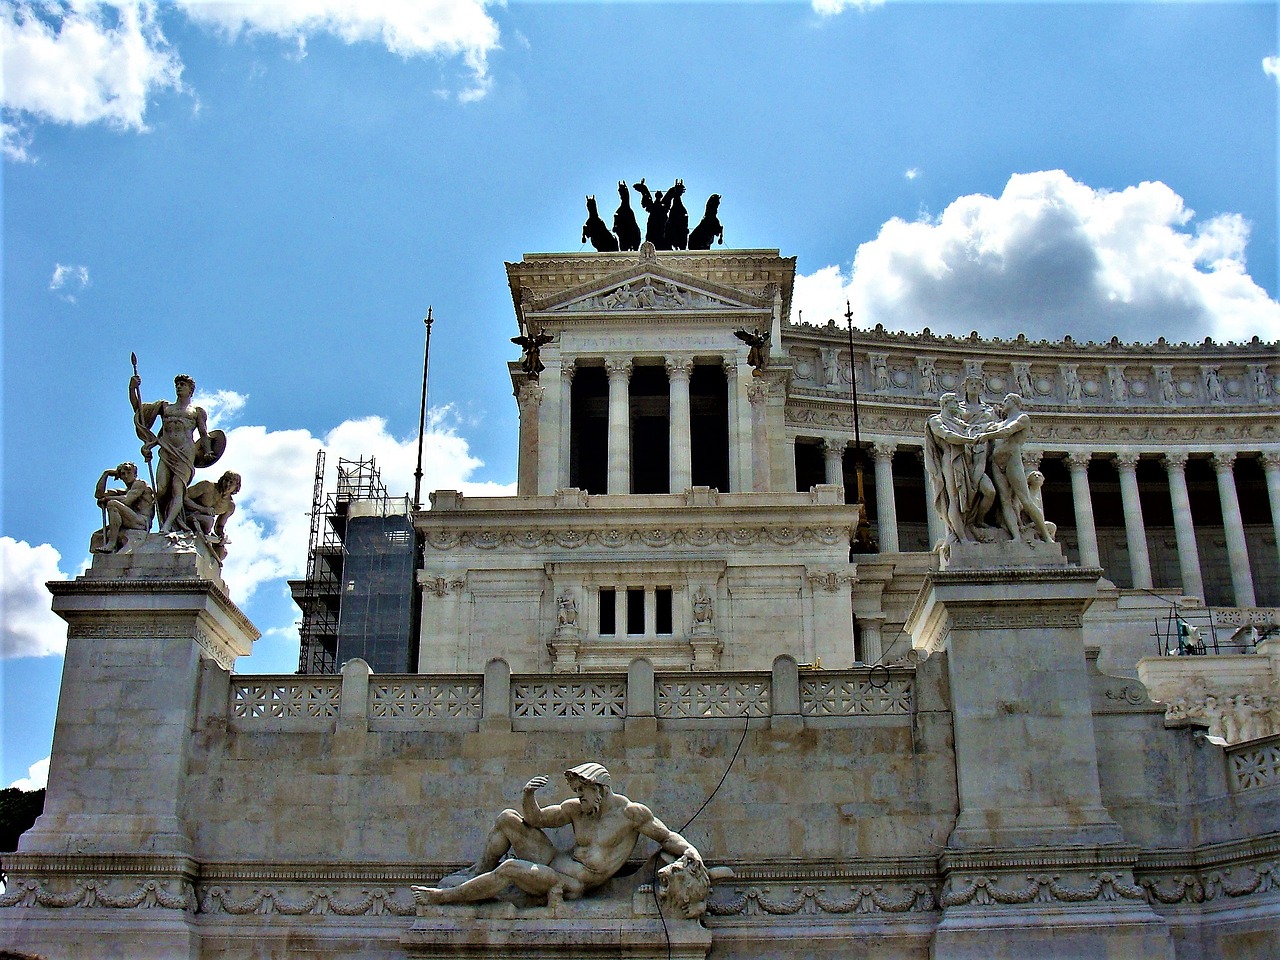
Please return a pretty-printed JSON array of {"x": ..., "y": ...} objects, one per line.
[{"x": 144, "y": 434}]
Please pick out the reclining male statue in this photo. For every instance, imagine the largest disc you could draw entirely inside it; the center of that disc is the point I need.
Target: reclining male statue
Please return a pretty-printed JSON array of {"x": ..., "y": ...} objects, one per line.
[{"x": 606, "y": 828}]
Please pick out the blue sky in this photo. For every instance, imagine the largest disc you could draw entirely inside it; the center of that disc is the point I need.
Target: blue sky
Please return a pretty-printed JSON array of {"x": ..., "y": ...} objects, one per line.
[{"x": 268, "y": 196}]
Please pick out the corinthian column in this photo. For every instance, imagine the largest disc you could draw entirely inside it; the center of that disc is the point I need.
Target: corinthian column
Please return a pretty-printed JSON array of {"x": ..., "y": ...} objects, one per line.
[
  {"x": 680, "y": 461},
  {"x": 1086, "y": 532},
  {"x": 1233, "y": 527},
  {"x": 761, "y": 476},
  {"x": 1271, "y": 465},
  {"x": 1135, "y": 530},
  {"x": 1175, "y": 465},
  {"x": 567, "y": 368},
  {"x": 739, "y": 429},
  {"x": 619, "y": 372},
  {"x": 886, "y": 506}
]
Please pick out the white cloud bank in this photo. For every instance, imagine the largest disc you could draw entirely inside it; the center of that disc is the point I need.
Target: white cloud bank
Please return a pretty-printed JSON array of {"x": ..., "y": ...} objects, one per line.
[
  {"x": 446, "y": 28},
  {"x": 1050, "y": 257},
  {"x": 87, "y": 61},
  {"x": 269, "y": 531},
  {"x": 28, "y": 627},
  {"x": 80, "y": 61},
  {"x": 1271, "y": 66},
  {"x": 68, "y": 280},
  {"x": 829, "y": 8},
  {"x": 37, "y": 777}
]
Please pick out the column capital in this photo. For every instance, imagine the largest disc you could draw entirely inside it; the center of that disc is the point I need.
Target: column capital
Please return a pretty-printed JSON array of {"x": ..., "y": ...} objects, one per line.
[
  {"x": 1175, "y": 461},
  {"x": 1031, "y": 459},
  {"x": 1127, "y": 461},
  {"x": 883, "y": 450},
  {"x": 530, "y": 395},
  {"x": 679, "y": 366},
  {"x": 757, "y": 392},
  {"x": 618, "y": 368},
  {"x": 568, "y": 367},
  {"x": 1271, "y": 459},
  {"x": 836, "y": 448},
  {"x": 1078, "y": 459},
  {"x": 730, "y": 368},
  {"x": 1222, "y": 461}
]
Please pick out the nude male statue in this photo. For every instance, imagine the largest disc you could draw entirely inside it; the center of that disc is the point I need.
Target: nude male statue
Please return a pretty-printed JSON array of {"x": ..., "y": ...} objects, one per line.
[
  {"x": 1009, "y": 472},
  {"x": 209, "y": 506},
  {"x": 132, "y": 508},
  {"x": 185, "y": 443},
  {"x": 606, "y": 828}
]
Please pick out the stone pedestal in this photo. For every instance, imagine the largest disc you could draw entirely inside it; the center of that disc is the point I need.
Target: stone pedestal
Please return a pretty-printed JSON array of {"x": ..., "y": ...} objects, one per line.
[
  {"x": 142, "y": 626},
  {"x": 1035, "y": 866}
]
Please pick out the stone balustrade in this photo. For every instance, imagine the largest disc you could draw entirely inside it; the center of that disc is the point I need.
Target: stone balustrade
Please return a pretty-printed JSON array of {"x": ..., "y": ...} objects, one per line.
[{"x": 405, "y": 702}]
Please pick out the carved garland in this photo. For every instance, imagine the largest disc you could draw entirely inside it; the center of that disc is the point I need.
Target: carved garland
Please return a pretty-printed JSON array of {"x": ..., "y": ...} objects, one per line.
[{"x": 987, "y": 891}]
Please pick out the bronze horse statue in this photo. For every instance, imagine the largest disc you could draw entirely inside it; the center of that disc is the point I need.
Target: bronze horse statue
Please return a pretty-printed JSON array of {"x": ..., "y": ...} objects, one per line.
[
  {"x": 677, "y": 232},
  {"x": 709, "y": 227},
  {"x": 625, "y": 227},
  {"x": 596, "y": 231}
]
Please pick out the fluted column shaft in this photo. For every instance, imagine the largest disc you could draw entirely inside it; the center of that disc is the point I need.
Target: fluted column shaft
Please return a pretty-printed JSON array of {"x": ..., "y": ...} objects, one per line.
[
  {"x": 886, "y": 505},
  {"x": 679, "y": 369},
  {"x": 739, "y": 429},
  {"x": 1183, "y": 527},
  {"x": 1086, "y": 532},
  {"x": 1135, "y": 530},
  {"x": 833, "y": 458},
  {"x": 761, "y": 477},
  {"x": 566, "y": 423},
  {"x": 619, "y": 372},
  {"x": 1271, "y": 466},
  {"x": 1233, "y": 527}
]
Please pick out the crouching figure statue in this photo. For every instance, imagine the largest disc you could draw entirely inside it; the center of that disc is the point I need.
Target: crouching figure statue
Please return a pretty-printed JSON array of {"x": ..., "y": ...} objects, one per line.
[{"x": 606, "y": 828}]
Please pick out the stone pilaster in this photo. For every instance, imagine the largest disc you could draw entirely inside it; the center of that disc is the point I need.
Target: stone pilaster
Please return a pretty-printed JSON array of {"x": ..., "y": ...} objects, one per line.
[
  {"x": 1233, "y": 528},
  {"x": 761, "y": 474},
  {"x": 886, "y": 504},
  {"x": 1086, "y": 532},
  {"x": 555, "y": 397},
  {"x": 1134, "y": 529},
  {"x": 679, "y": 369},
  {"x": 1175, "y": 464},
  {"x": 740, "y": 440},
  {"x": 529, "y": 399},
  {"x": 619, "y": 372}
]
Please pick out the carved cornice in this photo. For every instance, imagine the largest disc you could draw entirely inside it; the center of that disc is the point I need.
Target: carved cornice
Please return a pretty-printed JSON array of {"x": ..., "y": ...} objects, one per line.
[
  {"x": 167, "y": 587},
  {"x": 656, "y": 537}
]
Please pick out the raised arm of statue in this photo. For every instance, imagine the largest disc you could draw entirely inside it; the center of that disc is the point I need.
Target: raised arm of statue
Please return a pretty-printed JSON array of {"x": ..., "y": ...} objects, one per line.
[{"x": 539, "y": 816}]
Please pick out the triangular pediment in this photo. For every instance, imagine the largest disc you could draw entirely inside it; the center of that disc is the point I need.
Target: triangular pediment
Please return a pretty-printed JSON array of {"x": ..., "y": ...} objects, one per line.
[{"x": 647, "y": 287}]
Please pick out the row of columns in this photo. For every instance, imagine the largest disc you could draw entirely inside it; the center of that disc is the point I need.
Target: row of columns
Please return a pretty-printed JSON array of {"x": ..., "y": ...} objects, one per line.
[
  {"x": 1175, "y": 463},
  {"x": 750, "y": 425}
]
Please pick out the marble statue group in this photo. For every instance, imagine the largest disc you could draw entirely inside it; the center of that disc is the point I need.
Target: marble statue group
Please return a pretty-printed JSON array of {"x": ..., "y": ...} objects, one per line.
[
  {"x": 666, "y": 226},
  {"x": 973, "y": 453},
  {"x": 179, "y": 503},
  {"x": 606, "y": 828}
]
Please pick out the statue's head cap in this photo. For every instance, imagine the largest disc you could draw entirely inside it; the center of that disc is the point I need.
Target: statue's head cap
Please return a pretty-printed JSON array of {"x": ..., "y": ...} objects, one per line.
[{"x": 590, "y": 773}]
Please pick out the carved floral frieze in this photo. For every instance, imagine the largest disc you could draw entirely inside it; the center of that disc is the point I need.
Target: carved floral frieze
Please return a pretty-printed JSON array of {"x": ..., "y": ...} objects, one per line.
[{"x": 783, "y": 535}]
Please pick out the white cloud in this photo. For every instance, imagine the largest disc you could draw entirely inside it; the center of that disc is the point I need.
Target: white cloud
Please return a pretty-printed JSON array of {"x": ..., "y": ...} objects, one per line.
[
  {"x": 80, "y": 62},
  {"x": 446, "y": 28},
  {"x": 37, "y": 777},
  {"x": 1051, "y": 257},
  {"x": 829, "y": 8},
  {"x": 28, "y": 627},
  {"x": 68, "y": 280},
  {"x": 269, "y": 532},
  {"x": 1271, "y": 65},
  {"x": 220, "y": 406},
  {"x": 913, "y": 173}
]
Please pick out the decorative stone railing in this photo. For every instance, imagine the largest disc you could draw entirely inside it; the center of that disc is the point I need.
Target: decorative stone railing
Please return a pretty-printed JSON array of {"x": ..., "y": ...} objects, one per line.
[
  {"x": 557, "y": 701},
  {"x": 1254, "y": 764}
]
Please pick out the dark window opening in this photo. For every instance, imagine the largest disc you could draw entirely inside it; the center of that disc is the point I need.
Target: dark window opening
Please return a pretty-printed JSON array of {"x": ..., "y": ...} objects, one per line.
[
  {"x": 650, "y": 431},
  {"x": 709, "y": 426},
  {"x": 635, "y": 610},
  {"x": 589, "y": 430},
  {"x": 608, "y": 610},
  {"x": 811, "y": 465},
  {"x": 663, "y": 615}
]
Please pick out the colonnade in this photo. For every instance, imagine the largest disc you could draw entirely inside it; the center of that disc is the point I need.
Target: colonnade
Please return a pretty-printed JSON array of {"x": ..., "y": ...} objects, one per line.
[{"x": 1126, "y": 464}]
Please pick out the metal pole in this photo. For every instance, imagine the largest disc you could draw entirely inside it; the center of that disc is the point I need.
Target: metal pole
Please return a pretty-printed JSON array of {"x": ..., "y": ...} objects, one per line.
[{"x": 422, "y": 415}]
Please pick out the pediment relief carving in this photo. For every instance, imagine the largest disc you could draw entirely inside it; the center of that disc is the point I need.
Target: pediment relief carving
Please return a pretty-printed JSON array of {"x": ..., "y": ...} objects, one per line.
[{"x": 646, "y": 288}]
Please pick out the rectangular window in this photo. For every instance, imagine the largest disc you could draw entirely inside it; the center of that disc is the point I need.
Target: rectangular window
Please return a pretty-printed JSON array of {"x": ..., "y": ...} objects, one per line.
[
  {"x": 663, "y": 613},
  {"x": 608, "y": 608},
  {"x": 635, "y": 610}
]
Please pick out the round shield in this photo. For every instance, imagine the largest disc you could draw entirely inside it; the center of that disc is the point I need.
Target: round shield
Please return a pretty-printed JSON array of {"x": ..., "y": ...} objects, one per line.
[{"x": 209, "y": 450}]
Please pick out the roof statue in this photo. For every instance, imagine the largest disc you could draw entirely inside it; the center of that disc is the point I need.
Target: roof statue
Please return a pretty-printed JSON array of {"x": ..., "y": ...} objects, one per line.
[
  {"x": 531, "y": 344},
  {"x": 666, "y": 226},
  {"x": 758, "y": 356}
]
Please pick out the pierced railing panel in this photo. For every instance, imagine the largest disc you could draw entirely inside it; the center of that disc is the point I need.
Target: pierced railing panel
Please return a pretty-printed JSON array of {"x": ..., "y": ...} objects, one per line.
[
  {"x": 433, "y": 699},
  {"x": 855, "y": 695},
  {"x": 713, "y": 697},
  {"x": 545, "y": 699},
  {"x": 265, "y": 699},
  {"x": 1255, "y": 765}
]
